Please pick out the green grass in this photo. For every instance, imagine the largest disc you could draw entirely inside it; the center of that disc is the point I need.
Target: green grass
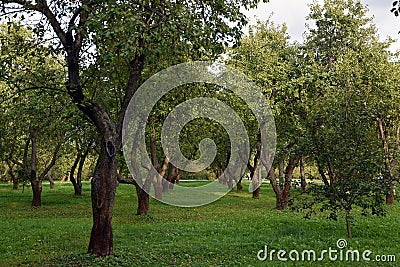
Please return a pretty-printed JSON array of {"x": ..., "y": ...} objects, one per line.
[{"x": 228, "y": 232}]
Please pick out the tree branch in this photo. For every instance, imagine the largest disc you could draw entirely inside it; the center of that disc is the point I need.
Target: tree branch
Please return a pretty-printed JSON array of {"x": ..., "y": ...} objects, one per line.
[
  {"x": 52, "y": 162},
  {"x": 43, "y": 8}
]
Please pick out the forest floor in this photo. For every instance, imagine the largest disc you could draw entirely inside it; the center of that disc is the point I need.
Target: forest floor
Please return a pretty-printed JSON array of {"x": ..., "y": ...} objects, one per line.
[{"x": 228, "y": 232}]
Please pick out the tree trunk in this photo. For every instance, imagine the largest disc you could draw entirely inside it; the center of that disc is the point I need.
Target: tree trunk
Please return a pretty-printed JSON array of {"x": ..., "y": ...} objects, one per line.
[
  {"x": 302, "y": 176},
  {"x": 389, "y": 199},
  {"x": 158, "y": 189},
  {"x": 348, "y": 224},
  {"x": 230, "y": 183},
  {"x": 174, "y": 178},
  {"x": 48, "y": 174},
  {"x": 256, "y": 193},
  {"x": 52, "y": 185},
  {"x": 37, "y": 192},
  {"x": 284, "y": 198},
  {"x": 165, "y": 185},
  {"x": 35, "y": 183},
  {"x": 65, "y": 178},
  {"x": 157, "y": 179},
  {"x": 170, "y": 178},
  {"x": 103, "y": 194},
  {"x": 256, "y": 179},
  {"x": 281, "y": 169},
  {"x": 15, "y": 184},
  {"x": 282, "y": 194},
  {"x": 143, "y": 202},
  {"x": 77, "y": 190},
  {"x": 14, "y": 179},
  {"x": 239, "y": 187},
  {"x": 280, "y": 204},
  {"x": 391, "y": 195},
  {"x": 143, "y": 196},
  {"x": 224, "y": 180}
]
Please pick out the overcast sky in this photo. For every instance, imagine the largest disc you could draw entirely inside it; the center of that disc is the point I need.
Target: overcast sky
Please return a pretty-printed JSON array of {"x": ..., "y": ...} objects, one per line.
[{"x": 293, "y": 13}]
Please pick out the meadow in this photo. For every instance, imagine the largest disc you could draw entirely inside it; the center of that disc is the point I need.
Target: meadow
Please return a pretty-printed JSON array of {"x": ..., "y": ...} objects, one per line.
[{"x": 228, "y": 232}]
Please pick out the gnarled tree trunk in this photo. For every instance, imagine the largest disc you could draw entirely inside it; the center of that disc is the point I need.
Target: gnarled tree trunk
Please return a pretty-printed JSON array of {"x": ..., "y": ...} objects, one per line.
[
  {"x": 282, "y": 193},
  {"x": 103, "y": 185}
]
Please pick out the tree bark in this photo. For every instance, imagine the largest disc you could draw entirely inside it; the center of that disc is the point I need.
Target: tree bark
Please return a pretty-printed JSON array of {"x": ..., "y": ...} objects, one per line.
[
  {"x": 14, "y": 179},
  {"x": 255, "y": 172},
  {"x": 175, "y": 178},
  {"x": 157, "y": 179},
  {"x": 281, "y": 169},
  {"x": 37, "y": 192},
  {"x": 282, "y": 193},
  {"x": 52, "y": 185},
  {"x": 79, "y": 174},
  {"x": 348, "y": 224},
  {"x": 143, "y": 196},
  {"x": 77, "y": 190},
  {"x": 256, "y": 183},
  {"x": 48, "y": 175},
  {"x": 143, "y": 202},
  {"x": 15, "y": 184},
  {"x": 391, "y": 195},
  {"x": 168, "y": 183},
  {"x": 389, "y": 164},
  {"x": 302, "y": 176},
  {"x": 277, "y": 189},
  {"x": 35, "y": 183},
  {"x": 256, "y": 193},
  {"x": 103, "y": 185},
  {"x": 230, "y": 183},
  {"x": 239, "y": 187}
]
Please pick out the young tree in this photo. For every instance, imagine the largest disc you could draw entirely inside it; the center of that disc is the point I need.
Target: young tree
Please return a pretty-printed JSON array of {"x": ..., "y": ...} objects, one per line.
[{"x": 340, "y": 53}]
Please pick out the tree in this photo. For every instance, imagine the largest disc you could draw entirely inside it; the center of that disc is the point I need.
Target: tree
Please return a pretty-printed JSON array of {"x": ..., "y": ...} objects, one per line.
[
  {"x": 342, "y": 60},
  {"x": 269, "y": 60},
  {"x": 141, "y": 27},
  {"x": 30, "y": 117}
]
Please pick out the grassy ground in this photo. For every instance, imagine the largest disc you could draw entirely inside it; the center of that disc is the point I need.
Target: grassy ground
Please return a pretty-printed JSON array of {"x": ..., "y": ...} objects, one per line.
[{"x": 228, "y": 232}]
